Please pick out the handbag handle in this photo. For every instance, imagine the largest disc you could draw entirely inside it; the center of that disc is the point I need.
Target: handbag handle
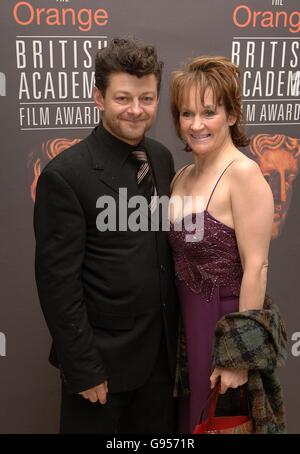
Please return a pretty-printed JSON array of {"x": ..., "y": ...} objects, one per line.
[{"x": 213, "y": 399}]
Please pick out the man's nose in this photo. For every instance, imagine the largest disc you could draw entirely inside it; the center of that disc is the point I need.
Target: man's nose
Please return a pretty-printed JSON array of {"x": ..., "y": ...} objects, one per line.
[{"x": 135, "y": 107}]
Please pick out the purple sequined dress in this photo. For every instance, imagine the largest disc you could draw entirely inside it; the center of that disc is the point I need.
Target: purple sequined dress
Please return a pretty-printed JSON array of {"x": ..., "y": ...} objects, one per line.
[{"x": 208, "y": 278}]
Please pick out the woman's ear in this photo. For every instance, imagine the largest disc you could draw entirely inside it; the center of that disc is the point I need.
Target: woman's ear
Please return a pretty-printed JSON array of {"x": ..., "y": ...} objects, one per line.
[{"x": 231, "y": 120}]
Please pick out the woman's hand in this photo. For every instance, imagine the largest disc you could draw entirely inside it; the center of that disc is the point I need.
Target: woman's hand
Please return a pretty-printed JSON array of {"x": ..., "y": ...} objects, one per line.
[{"x": 230, "y": 378}]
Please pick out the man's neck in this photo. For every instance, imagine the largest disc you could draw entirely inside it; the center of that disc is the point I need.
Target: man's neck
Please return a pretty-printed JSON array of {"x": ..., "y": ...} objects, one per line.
[{"x": 132, "y": 143}]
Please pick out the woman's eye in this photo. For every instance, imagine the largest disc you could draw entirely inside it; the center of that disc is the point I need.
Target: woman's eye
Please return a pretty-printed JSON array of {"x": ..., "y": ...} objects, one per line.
[
  {"x": 185, "y": 114},
  {"x": 209, "y": 113}
]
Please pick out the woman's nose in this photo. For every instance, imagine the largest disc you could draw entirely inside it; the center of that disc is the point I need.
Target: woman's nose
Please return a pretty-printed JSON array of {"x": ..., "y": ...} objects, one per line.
[{"x": 197, "y": 123}]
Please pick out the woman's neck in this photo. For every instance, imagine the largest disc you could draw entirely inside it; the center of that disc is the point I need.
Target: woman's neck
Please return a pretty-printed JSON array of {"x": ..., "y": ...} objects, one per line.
[{"x": 214, "y": 160}]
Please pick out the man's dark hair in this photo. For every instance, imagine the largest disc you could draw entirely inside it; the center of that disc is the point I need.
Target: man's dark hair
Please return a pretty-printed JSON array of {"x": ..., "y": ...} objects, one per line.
[{"x": 127, "y": 55}]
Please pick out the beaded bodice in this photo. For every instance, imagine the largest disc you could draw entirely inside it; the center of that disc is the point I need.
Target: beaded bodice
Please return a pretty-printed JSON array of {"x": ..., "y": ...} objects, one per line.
[{"x": 210, "y": 262}]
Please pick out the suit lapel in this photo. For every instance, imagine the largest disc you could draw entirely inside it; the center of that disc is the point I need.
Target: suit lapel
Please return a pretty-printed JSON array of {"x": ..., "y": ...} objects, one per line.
[{"x": 112, "y": 166}]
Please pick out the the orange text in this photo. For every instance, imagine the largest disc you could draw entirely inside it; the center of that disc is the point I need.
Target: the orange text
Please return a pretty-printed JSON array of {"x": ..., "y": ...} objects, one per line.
[
  {"x": 85, "y": 18},
  {"x": 243, "y": 17}
]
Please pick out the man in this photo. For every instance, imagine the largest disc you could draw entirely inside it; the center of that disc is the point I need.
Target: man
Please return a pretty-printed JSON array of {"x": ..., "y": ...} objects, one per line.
[{"x": 108, "y": 296}]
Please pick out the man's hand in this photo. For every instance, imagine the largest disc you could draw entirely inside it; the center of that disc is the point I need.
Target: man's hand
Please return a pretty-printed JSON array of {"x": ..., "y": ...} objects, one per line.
[
  {"x": 230, "y": 378},
  {"x": 97, "y": 393}
]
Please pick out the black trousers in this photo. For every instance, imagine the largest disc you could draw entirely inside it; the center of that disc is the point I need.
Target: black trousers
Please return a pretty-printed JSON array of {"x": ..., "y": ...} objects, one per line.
[{"x": 148, "y": 409}]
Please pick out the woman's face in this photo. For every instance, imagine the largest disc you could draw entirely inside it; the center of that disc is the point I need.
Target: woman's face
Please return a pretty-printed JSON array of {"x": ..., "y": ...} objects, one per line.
[{"x": 205, "y": 128}]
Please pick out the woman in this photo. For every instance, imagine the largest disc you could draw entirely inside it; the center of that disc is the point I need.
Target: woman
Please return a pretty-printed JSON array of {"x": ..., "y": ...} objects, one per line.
[{"x": 226, "y": 271}]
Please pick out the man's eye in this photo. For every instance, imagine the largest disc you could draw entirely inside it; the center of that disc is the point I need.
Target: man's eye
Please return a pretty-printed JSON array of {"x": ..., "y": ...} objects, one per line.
[
  {"x": 147, "y": 99},
  {"x": 122, "y": 99}
]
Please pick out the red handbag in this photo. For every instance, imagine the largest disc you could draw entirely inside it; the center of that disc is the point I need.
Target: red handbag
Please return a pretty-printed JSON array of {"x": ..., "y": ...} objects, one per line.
[{"x": 222, "y": 424}]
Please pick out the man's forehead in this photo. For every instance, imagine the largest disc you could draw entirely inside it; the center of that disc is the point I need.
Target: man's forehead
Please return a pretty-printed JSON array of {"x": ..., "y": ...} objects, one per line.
[
  {"x": 128, "y": 92},
  {"x": 125, "y": 81}
]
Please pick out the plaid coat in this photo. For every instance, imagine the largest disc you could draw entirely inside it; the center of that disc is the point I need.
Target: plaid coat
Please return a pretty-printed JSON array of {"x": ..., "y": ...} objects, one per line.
[{"x": 256, "y": 340}]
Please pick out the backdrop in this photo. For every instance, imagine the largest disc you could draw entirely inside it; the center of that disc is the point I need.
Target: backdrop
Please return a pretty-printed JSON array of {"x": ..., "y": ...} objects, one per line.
[{"x": 46, "y": 79}]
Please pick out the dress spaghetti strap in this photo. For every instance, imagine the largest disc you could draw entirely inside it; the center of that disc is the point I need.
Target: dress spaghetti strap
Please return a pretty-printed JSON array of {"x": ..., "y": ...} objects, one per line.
[
  {"x": 217, "y": 184},
  {"x": 176, "y": 177}
]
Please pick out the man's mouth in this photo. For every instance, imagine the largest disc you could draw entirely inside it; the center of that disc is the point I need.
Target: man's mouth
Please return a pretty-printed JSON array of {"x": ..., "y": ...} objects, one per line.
[{"x": 134, "y": 120}]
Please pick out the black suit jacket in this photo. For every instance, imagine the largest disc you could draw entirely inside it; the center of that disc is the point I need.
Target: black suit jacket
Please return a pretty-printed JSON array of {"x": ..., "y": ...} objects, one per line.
[{"x": 107, "y": 296}]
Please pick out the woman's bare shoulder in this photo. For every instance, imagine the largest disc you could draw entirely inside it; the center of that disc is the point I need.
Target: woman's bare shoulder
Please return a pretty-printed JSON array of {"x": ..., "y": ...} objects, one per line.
[
  {"x": 244, "y": 167},
  {"x": 247, "y": 177},
  {"x": 180, "y": 174}
]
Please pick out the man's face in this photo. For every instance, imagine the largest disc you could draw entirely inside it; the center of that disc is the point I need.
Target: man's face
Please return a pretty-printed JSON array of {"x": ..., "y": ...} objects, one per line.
[
  {"x": 128, "y": 108},
  {"x": 280, "y": 167}
]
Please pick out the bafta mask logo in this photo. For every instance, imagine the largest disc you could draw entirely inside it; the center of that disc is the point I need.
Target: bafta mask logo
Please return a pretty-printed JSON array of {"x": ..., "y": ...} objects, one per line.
[
  {"x": 48, "y": 151},
  {"x": 2, "y": 84},
  {"x": 278, "y": 158}
]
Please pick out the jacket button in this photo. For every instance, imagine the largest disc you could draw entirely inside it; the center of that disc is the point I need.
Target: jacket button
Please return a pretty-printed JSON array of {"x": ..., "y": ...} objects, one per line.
[{"x": 162, "y": 267}]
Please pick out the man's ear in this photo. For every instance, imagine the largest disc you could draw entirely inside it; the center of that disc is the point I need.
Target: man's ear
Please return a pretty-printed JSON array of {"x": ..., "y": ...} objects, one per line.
[{"x": 98, "y": 98}]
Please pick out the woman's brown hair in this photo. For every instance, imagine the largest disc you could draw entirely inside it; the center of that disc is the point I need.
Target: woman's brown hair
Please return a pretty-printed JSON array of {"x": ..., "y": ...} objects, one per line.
[{"x": 222, "y": 77}]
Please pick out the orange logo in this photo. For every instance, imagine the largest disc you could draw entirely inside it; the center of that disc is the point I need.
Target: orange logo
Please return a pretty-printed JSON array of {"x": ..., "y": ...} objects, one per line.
[
  {"x": 244, "y": 17},
  {"x": 49, "y": 150},
  {"x": 25, "y": 14}
]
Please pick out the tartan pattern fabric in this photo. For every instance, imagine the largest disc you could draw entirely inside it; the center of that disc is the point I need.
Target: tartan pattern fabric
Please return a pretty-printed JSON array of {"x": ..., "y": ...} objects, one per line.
[{"x": 256, "y": 340}]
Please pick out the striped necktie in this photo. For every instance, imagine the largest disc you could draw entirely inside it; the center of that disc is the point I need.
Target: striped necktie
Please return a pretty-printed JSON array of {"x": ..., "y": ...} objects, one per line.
[{"x": 144, "y": 178}]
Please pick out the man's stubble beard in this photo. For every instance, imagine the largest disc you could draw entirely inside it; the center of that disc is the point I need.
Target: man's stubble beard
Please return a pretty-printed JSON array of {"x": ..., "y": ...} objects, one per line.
[{"x": 123, "y": 131}]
